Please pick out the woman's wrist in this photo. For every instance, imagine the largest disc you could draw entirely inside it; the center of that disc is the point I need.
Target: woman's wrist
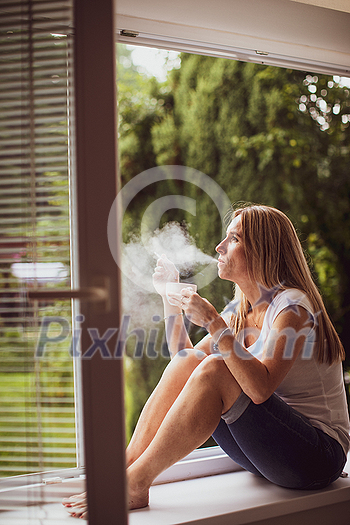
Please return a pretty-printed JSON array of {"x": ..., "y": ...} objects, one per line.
[
  {"x": 170, "y": 309},
  {"x": 219, "y": 336},
  {"x": 215, "y": 326},
  {"x": 172, "y": 316}
]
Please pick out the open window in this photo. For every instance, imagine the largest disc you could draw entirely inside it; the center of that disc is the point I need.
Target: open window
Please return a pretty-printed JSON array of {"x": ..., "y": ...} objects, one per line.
[{"x": 193, "y": 37}]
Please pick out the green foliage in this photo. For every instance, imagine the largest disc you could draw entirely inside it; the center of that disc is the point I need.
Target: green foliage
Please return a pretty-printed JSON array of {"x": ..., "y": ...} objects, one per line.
[
  {"x": 165, "y": 141},
  {"x": 324, "y": 264}
]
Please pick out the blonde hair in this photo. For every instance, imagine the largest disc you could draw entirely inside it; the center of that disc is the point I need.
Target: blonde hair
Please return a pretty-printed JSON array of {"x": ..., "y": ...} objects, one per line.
[{"x": 276, "y": 261}]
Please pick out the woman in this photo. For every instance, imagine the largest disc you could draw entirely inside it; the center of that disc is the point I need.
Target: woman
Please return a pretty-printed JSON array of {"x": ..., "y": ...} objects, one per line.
[{"x": 266, "y": 381}]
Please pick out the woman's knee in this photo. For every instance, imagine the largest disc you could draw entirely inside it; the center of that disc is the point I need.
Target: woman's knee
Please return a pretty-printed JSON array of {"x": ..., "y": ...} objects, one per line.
[
  {"x": 191, "y": 354},
  {"x": 213, "y": 373},
  {"x": 211, "y": 368},
  {"x": 187, "y": 359}
]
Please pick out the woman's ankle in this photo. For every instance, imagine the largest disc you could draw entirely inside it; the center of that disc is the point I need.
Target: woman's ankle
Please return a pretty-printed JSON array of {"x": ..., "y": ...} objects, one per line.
[{"x": 138, "y": 488}]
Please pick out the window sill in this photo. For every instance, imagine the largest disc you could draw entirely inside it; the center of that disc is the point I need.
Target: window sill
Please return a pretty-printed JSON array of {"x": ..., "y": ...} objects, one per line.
[
  {"x": 235, "y": 498},
  {"x": 199, "y": 463},
  {"x": 241, "y": 498}
]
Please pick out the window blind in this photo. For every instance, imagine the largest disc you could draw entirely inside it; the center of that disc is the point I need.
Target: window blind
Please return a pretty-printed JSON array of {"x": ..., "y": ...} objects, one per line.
[{"x": 37, "y": 426}]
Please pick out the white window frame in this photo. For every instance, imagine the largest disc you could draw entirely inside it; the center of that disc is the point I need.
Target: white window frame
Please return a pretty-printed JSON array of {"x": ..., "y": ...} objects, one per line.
[{"x": 274, "y": 32}]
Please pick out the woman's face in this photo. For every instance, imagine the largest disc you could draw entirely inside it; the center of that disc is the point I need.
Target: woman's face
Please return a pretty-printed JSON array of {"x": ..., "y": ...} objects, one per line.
[{"x": 232, "y": 263}]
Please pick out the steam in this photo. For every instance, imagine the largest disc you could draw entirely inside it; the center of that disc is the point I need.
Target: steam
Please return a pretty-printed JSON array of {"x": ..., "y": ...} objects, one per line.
[
  {"x": 139, "y": 260},
  {"x": 178, "y": 246}
]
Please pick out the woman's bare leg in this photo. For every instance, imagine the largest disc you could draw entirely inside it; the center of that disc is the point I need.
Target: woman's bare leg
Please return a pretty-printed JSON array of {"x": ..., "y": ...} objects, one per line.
[
  {"x": 160, "y": 401},
  {"x": 169, "y": 387},
  {"x": 193, "y": 417}
]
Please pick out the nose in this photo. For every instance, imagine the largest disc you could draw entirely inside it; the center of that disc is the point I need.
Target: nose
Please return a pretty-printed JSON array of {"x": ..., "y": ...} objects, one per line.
[{"x": 220, "y": 247}]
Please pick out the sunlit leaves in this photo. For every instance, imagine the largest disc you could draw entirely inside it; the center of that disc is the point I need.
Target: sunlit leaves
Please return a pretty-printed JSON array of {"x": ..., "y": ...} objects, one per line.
[{"x": 327, "y": 101}]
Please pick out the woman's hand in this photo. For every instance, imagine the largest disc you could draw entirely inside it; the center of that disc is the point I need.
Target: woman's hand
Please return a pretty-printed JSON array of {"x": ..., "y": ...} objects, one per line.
[
  {"x": 165, "y": 272},
  {"x": 197, "y": 309}
]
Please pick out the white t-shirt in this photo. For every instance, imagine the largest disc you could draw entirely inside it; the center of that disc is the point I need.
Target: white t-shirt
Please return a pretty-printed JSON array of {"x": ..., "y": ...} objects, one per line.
[{"x": 315, "y": 389}]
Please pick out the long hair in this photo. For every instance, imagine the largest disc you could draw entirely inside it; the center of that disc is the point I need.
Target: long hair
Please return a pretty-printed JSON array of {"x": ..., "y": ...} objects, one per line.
[{"x": 276, "y": 261}]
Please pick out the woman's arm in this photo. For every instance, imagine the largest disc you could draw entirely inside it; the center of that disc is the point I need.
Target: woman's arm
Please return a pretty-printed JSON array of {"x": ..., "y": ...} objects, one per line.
[
  {"x": 258, "y": 379},
  {"x": 176, "y": 333}
]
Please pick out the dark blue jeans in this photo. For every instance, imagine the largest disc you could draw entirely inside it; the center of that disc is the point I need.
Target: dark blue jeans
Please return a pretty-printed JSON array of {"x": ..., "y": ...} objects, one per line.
[{"x": 275, "y": 441}]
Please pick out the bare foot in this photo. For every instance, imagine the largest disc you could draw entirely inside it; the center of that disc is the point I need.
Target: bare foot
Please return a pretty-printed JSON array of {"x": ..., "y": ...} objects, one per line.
[
  {"x": 137, "y": 500},
  {"x": 76, "y": 505},
  {"x": 138, "y": 494}
]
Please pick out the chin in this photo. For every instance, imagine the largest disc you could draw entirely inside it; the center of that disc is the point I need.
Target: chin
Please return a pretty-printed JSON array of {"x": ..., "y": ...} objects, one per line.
[{"x": 223, "y": 276}]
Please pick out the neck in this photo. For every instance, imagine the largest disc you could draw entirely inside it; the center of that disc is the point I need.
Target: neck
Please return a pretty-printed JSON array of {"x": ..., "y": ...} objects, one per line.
[
  {"x": 253, "y": 294},
  {"x": 256, "y": 297}
]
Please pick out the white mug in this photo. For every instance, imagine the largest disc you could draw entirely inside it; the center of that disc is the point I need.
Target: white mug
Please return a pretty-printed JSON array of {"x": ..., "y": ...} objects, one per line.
[{"x": 176, "y": 288}]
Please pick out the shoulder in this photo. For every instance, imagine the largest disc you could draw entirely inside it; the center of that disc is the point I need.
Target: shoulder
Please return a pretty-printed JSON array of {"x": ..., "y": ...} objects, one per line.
[{"x": 290, "y": 298}]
